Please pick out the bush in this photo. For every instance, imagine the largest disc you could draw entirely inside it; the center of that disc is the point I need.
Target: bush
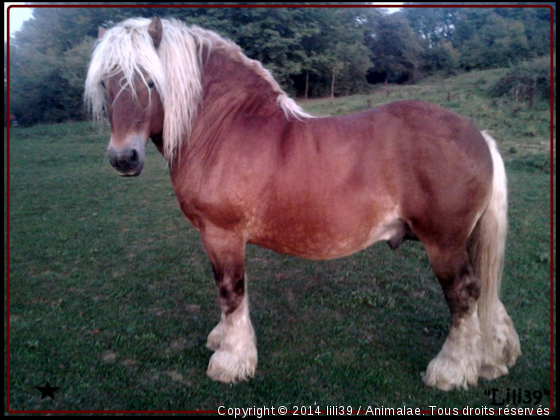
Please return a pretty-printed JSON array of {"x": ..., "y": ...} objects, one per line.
[{"x": 526, "y": 82}]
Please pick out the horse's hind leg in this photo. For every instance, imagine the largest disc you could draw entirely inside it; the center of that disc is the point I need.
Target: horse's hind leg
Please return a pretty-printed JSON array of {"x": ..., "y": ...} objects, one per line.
[
  {"x": 233, "y": 339},
  {"x": 458, "y": 363}
]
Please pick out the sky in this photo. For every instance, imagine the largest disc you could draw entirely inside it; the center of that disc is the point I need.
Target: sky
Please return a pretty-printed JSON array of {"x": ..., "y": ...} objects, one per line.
[{"x": 19, "y": 15}]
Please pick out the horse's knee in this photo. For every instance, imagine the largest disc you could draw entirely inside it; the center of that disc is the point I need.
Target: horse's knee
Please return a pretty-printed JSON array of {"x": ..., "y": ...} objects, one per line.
[{"x": 226, "y": 252}]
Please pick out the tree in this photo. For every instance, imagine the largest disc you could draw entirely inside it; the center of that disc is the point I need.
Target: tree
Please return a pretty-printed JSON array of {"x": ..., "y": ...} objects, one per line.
[
  {"x": 339, "y": 58},
  {"x": 49, "y": 58},
  {"x": 298, "y": 45},
  {"x": 536, "y": 22},
  {"x": 480, "y": 38},
  {"x": 33, "y": 85},
  {"x": 435, "y": 28},
  {"x": 442, "y": 58},
  {"x": 395, "y": 50},
  {"x": 310, "y": 51},
  {"x": 487, "y": 40},
  {"x": 433, "y": 25}
]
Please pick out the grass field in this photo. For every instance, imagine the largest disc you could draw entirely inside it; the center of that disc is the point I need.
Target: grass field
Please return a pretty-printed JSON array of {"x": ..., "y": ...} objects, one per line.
[{"x": 112, "y": 296}]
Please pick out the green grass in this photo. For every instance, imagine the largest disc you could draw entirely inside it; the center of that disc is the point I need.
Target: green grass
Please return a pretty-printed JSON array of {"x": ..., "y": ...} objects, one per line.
[{"x": 112, "y": 296}]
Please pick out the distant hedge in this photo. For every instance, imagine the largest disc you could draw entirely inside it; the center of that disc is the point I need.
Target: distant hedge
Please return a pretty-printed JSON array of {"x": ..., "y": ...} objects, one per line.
[{"x": 526, "y": 82}]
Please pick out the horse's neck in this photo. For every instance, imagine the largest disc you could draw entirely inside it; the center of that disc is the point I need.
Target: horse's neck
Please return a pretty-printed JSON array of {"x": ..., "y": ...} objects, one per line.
[
  {"x": 232, "y": 86},
  {"x": 235, "y": 97}
]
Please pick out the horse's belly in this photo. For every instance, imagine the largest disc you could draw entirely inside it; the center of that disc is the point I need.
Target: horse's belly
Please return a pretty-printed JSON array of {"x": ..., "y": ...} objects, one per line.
[{"x": 327, "y": 241}]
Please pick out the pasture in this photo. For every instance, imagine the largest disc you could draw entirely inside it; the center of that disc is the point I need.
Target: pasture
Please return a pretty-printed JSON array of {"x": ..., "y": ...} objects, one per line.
[{"x": 112, "y": 296}]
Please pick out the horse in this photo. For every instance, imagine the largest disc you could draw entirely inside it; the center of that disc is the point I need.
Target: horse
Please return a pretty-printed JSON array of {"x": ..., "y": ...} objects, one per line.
[{"x": 249, "y": 166}]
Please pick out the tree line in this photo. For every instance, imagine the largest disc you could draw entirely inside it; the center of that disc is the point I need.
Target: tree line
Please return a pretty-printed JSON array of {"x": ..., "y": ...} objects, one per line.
[{"x": 312, "y": 52}]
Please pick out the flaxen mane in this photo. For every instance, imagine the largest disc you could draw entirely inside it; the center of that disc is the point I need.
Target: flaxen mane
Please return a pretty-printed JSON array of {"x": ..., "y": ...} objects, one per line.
[{"x": 175, "y": 69}]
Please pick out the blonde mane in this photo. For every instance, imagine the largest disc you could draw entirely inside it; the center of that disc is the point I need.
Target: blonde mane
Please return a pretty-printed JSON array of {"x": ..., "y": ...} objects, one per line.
[{"x": 174, "y": 69}]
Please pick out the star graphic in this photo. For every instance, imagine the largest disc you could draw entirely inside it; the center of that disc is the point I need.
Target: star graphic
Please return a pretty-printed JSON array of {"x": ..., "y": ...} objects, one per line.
[{"x": 48, "y": 390}]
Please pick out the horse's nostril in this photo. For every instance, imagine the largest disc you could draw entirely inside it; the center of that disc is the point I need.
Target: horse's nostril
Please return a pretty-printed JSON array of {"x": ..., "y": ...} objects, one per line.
[
  {"x": 123, "y": 164},
  {"x": 133, "y": 156}
]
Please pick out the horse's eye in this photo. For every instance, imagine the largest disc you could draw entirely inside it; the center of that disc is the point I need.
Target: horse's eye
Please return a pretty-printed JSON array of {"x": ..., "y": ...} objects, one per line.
[
  {"x": 103, "y": 85},
  {"x": 150, "y": 84}
]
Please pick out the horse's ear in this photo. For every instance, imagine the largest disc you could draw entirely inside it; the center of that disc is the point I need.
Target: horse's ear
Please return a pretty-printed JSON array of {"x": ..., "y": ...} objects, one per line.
[
  {"x": 100, "y": 32},
  {"x": 155, "y": 30}
]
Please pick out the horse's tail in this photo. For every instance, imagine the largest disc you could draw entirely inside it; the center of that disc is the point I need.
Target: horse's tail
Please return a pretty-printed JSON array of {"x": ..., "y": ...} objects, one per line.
[{"x": 488, "y": 240}]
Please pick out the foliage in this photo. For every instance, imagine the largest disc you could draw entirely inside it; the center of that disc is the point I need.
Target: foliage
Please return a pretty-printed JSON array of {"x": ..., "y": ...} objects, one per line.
[
  {"x": 442, "y": 58},
  {"x": 482, "y": 37},
  {"x": 36, "y": 90},
  {"x": 312, "y": 52},
  {"x": 497, "y": 42},
  {"x": 395, "y": 49},
  {"x": 526, "y": 82},
  {"x": 433, "y": 25},
  {"x": 297, "y": 44}
]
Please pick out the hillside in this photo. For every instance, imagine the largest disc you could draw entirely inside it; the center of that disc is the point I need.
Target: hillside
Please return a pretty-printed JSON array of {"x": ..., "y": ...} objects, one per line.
[{"x": 522, "y": 129}]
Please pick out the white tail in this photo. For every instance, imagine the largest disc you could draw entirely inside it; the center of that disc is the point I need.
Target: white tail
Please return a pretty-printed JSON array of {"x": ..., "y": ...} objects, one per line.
[
  {"x": 488, "y": 240},
  {"x": 487, "y": 251}
]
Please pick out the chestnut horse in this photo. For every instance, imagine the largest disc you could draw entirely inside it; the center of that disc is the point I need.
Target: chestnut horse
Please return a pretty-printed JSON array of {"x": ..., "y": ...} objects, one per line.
[{"x": 249, "y": 166}]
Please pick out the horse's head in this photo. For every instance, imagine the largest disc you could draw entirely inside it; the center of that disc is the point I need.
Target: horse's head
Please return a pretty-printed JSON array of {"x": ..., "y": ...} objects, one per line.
[
  {"x": 136, "y": 114},
  {"x": 123, "y": 80}
]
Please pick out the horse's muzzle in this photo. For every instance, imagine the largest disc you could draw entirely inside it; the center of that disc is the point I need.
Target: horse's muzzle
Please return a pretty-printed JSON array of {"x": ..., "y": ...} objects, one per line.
[{"x": 127, "y": 162}]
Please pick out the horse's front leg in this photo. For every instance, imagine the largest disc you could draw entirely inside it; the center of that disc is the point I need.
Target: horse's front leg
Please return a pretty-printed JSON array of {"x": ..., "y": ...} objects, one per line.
[{"x": 233, "y": 339}]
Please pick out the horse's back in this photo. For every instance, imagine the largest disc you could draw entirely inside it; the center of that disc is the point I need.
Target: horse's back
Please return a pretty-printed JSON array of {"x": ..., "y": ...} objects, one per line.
[{"x": 404, "y": 149}]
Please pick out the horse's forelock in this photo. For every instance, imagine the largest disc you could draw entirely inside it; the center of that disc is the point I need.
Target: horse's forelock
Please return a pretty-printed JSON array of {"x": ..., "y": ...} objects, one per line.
[{"x": 126, "y": 49}]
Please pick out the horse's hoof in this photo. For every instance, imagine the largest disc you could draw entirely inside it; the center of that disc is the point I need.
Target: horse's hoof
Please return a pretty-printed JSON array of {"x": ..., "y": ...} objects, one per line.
[
  {"x": 227, "y": 367},
  {"x": 448, "y": 375}
]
